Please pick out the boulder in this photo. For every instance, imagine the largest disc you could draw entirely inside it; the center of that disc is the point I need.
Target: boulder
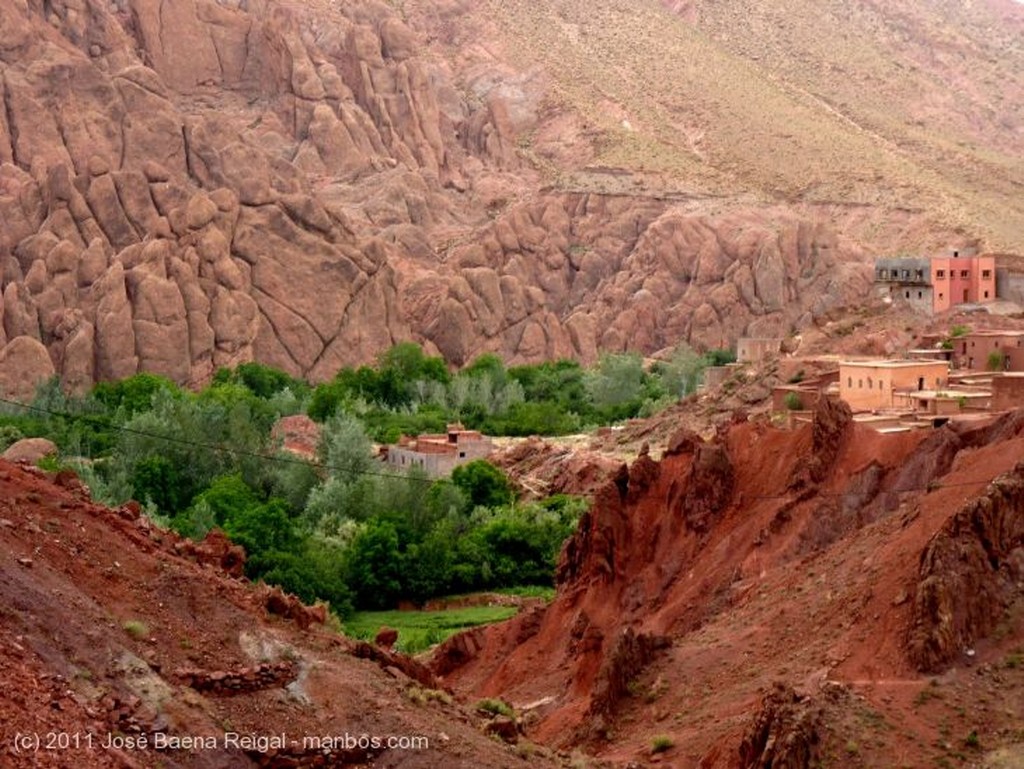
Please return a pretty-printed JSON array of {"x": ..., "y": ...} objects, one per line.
[{"x": 29, "y": 450}]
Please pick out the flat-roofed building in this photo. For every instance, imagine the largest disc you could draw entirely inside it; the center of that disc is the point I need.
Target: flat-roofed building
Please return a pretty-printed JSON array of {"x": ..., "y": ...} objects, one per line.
[
  {"x": 1008, "y": 392},
  {"x": 438, "y": 454},
  {"x": 867, "y": 385},
  {"x": 960, "y": 279},
  {"x": 989, "y": 351}
]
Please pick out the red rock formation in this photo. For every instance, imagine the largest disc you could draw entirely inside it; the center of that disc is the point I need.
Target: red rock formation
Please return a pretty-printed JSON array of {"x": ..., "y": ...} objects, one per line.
[
  {"x": 712, "y": 572},
  {"x": 976, "y": 554},
  {"x": 304, "y": 186}
]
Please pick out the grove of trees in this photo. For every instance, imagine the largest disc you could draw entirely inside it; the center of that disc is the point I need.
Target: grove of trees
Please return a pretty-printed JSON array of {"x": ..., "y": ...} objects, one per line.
[{"x": 342, "y": 528}]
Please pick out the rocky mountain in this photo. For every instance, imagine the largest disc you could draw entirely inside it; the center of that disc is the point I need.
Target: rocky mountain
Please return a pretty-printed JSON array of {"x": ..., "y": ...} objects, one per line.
[
  {"x": 194, "y": 184},
  {"x": 825, "y": 596}
]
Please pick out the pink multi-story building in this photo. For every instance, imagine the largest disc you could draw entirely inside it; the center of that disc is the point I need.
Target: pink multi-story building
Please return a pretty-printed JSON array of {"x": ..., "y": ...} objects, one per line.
[{"x": 962, "y": 279}]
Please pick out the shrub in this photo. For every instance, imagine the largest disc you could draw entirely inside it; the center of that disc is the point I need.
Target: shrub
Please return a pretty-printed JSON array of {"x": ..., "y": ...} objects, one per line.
[
  {"x": 136, "y": 628},
  {"x": 793, "y": 401},
  {"x": 996, "y": 361},
  {"x": 662, "y": 743},
  {"x": 495, "y": 707}
]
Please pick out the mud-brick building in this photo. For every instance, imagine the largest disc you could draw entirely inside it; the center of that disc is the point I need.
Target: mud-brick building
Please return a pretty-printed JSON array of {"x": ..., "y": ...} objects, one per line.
[
  {"x": 989, "y": 351},
  {"x": 906, "y": 279},
  {"x": 751, "y": 349},
  {"x": 868, "y": 385},
  {"x": 935, "y": 284},
  {"x": 960, "y": 279},
  {"x": 1008, "y": 392},
  {"x": 438, "y": 454}
]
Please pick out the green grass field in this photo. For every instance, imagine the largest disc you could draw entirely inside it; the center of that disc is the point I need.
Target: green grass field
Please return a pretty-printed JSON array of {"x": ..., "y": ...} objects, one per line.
[{"x": 419, "y": 630}]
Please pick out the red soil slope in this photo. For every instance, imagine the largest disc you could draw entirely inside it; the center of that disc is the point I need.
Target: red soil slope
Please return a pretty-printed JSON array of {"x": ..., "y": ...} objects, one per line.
[
  {"x": 110, "y": 626},
  {"x": 778, "y": 598}
]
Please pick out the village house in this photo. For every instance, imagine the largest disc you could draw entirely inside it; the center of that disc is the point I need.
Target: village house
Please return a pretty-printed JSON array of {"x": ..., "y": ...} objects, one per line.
[
  {"x": 438, "y": 454},
  {"x": 935, "y": 284},
  {"x": 989, "y": 351},
  {"x": 869, "y": 385}
]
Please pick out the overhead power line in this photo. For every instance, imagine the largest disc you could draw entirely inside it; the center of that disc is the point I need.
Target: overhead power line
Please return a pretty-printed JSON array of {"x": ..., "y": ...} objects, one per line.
[{"x": 282, "y": 459}]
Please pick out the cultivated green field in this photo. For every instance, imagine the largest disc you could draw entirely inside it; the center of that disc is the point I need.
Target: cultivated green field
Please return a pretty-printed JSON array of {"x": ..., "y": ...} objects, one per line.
[{"x": 419, "y": 630}]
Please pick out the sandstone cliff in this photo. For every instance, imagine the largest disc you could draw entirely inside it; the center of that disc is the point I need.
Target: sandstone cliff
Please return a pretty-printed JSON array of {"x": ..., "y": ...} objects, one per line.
[{"x": 195, "y": 184}]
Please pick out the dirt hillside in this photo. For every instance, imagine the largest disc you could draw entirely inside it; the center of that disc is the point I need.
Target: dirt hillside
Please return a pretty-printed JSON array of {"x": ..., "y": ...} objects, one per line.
[
  {"x": 112, "y": 629},
  {"x": 829, "y": 595}
]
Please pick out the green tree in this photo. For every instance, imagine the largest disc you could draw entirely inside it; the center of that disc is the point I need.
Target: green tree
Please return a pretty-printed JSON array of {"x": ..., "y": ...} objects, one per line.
[
  {"x": 484, "y": 484},
  {"x": 264, "y": 528},
  {"x": 156, "y": 480},
  {"x": 615, "y": 386},
  {"x": 345, "y": 448},
  {"x": 133, "y": 395},
  {"x": 374, "y": 566}
]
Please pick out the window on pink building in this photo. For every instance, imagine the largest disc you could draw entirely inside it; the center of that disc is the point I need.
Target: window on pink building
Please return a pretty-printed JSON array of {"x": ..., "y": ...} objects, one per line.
[
  {"x": 965, "y": 273},
  {"x": 986, "y": 274}
]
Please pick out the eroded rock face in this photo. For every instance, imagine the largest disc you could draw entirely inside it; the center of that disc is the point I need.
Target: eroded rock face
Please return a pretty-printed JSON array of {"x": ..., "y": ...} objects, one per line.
[
  {"x": 784, "y": 734},
  {"x": 978, "y": 553},
  {"x": 198, "y": 186}
]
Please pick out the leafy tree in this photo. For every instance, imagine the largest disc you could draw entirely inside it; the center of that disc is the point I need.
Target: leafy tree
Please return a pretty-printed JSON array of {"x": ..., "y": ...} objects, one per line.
[
  {"x": 374, "y": 566},
  {"x": 133, "y": 395},
  {"x": 616, "y": 385},
  {"x": 484, "y": 484},
  {"x": 157, "y": 480},
  {"x": 720, "y": 357},
  {"x": 345, "y": 448},
  {"x": 682, "y": 373},
  {"x": 264, "y": 528},
  {"x": 262, "y": 381}
]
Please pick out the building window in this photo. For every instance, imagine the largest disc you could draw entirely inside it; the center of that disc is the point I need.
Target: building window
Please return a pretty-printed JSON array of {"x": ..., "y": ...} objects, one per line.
[
  {"x": 965, "y": 273},
  {"x": 940, "y": 274},
  {"x": 918, "y": 274},
  {"x": 986, "y": 274},
  {"x": 849, "y": 382},
  {"x": 883, "y": 275},
  {"x": 986, "y": 294},
  {"x": 908, "y": 294},
  {"x": 462, "y": 455},
  {"x": 941, "y": 295},
  {"x": 870, "y": 383},
  {"x": 918, "y": 294},
  {"x": 860, "y": 384}
]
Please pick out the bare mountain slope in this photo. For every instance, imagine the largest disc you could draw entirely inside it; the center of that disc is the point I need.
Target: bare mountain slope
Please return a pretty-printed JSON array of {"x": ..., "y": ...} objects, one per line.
[{"x": 308, "y": 183}]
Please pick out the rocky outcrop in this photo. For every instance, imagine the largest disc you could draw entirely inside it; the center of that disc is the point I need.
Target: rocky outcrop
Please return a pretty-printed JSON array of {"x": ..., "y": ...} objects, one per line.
[
  {"x": 707, "y": 487},
  {"x": 29, "y": 450},
  {"x": 630, "y": 654},
  {"x": 303, "y": 186},
  {"x": 978, "y": 553},
  {"x": 833, "y": 421},
  {"x": 784, "y": 734}
]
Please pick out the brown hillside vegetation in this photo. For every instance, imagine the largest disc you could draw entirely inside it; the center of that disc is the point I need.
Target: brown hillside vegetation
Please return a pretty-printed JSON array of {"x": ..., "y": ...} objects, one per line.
[
  {"x": 860, "y": 104},
  {"x": 825, "y": 597},
  {"x": 110, "y": 626}
]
